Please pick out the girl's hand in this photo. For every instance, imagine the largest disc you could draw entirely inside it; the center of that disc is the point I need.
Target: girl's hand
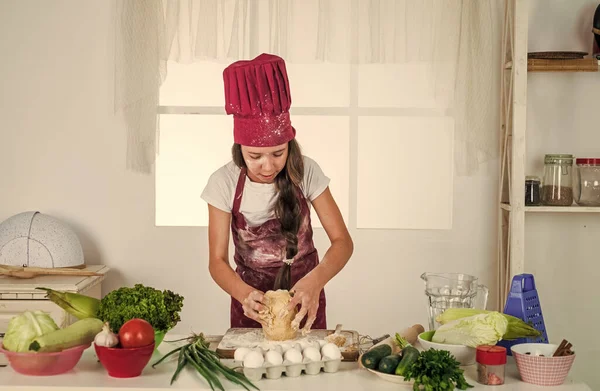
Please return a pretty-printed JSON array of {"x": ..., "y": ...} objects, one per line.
[
  {"x": 253, "y": 304},
  {"x": 306, "y": 293}
]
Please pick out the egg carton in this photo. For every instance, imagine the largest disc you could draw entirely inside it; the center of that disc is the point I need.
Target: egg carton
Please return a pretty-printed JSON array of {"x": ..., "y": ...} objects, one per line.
[{"x": 291, "y": 370}]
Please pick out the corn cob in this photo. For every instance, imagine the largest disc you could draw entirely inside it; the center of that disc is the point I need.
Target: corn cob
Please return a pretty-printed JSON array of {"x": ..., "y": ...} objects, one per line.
[{"x": 78, "y": 305}]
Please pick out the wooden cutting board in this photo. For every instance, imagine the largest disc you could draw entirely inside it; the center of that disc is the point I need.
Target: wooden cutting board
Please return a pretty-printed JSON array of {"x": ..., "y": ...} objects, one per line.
[{"x": 237, "y": 337}]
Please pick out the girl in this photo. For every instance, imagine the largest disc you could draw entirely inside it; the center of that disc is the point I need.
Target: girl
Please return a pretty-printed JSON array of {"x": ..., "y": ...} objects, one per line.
[{"x": 264, "y": 196}]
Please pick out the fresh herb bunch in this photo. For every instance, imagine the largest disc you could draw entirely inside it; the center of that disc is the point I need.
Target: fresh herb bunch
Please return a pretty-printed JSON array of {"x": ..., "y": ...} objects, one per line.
[
  {"x": 159, "y": 308},
  {"x": 436, "y": 370},
  {"x": 196, "y": 354}
]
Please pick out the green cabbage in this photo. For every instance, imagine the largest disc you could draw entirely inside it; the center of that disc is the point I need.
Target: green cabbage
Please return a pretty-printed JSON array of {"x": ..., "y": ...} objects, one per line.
[
  {"x": 482, "y": 329},
  {"x": 24, "y": 328}
]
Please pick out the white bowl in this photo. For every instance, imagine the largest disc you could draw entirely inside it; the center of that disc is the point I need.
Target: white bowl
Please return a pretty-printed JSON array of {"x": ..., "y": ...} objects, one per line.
[
  {"x": 465, "y": 355},
  {"x": 535, "y": 349}
]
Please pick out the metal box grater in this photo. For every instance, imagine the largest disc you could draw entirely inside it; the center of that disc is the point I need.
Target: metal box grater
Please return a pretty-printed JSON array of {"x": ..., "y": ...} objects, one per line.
[{"x": 524, "y": 303}]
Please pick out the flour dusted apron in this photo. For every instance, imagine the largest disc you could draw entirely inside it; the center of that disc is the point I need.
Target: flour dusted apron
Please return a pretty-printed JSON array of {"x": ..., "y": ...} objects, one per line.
[{"x": 260, "y": 251}]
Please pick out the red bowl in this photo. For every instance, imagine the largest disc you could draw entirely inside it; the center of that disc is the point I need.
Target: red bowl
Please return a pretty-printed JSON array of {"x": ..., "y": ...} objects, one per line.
[{"x": 121, "y": 362}]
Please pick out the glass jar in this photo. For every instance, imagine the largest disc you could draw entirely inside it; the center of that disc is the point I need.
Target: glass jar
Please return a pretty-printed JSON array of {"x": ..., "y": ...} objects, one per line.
[
  {"x": 586, "y": 187},
  {"x": 558, "y": 180},
  {"x": 533, "y": 191},
  {"x": 491, "y": 364}
]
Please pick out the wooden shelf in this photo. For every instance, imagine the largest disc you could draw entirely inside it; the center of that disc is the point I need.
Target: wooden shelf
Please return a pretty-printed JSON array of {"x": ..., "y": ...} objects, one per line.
[
  {"x": 579, "y": 65},
  {"x": 555, "y": 209}
]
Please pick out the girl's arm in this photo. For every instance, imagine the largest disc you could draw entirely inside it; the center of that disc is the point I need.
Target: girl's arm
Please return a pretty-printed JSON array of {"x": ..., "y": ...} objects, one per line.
[
  {"x": 341, "y": 248},
  {"x": 219, "y": 268},
  {"x": 307, "y": 290}
]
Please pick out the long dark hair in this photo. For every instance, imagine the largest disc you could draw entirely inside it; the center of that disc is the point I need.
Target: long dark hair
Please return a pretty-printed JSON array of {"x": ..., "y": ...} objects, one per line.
[{"x": 287, "y": 207}]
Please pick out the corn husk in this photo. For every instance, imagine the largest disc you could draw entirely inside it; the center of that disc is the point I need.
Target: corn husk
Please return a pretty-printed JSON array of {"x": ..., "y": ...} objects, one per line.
[{"x": 78, "y": 305}]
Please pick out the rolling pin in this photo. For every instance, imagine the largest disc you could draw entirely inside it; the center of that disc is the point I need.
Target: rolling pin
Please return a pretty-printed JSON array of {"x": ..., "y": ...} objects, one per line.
[{"x": 411, "y": 333}]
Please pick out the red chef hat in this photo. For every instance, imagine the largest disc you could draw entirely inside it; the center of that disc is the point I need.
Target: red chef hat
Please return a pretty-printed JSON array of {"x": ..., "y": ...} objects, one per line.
[{"x": 257, "y": 93}]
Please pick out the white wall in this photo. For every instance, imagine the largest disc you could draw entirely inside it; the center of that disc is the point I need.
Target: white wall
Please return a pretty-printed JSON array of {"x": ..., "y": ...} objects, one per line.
[
  {"x": 562, "y": 117},
  {"x": 62, "y": 152}
]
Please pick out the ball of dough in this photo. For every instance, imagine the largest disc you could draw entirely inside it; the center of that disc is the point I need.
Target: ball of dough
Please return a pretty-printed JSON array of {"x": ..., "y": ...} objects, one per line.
[{"x": 278, "y": 320}]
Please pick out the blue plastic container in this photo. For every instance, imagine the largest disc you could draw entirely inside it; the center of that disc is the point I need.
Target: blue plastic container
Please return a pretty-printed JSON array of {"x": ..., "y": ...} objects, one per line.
[{"x": 523, "y": 302}]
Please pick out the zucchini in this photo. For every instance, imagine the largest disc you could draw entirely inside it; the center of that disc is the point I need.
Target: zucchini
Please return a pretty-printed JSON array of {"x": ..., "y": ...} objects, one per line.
[
  {"x": 389, "y": 363},
  {"x": 409, "y": 357},
  {"x": 81, "y": 332},
  {"x": 371, "y": 358}
]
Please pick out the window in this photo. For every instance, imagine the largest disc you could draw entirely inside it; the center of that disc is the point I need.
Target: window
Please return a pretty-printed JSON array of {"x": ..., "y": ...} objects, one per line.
[
  {"x": 381, "y": 132},
  {"x": 375, "y": 130}
]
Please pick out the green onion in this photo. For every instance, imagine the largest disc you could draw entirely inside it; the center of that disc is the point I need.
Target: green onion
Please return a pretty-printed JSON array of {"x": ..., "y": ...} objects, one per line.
[{"x": 196, "y": 354}]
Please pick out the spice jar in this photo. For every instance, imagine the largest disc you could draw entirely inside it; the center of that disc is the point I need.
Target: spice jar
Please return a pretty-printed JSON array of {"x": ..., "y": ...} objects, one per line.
[
  {"x": 532, "y": 191},
  {"x": 558, "y": 180},
  {"x": 491, "y": 363},
  {"x": 586, "y": 187}
]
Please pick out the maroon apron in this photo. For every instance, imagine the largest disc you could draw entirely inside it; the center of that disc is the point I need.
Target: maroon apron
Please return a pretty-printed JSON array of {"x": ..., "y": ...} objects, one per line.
[{"x": 260, "y": 251}]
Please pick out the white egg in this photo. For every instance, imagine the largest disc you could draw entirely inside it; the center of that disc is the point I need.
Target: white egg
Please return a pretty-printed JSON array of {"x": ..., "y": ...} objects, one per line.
[
  {"x": 294, "y": 356},
  {"x": 316, "y": 344},
  {"x": 311, "y": 354},
  {"x": 285, "y": 347},
  {"x": 259, "y": 350},
  {"x": 322, "y": 343},
  {"x": 278, "y": 349},
  {"x": 298, "y": 347},
  {"x": 253, "y": 359},
  {"x": 273, "y": 357},
  {"x": 330, "y": 351},
  {"x": 240, "y": 353}
]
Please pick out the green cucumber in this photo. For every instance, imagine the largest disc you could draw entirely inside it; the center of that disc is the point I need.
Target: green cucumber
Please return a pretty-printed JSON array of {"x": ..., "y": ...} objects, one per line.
[
  {"x": 371, "y": 358},
  {"x": 409, "y": 357},
  {"x": 81, "y": 332},
  {"x": 389, "y": 363}
]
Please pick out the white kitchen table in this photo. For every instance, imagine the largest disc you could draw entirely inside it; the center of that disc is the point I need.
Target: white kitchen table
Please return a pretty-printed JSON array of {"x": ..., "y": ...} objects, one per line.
[{"x": 89, "y": 375}]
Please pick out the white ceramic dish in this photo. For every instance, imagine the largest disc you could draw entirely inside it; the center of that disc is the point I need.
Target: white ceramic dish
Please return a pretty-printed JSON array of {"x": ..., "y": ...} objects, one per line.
[
  {"x": 464, "y": 355},
  {"x": 535, "y": 349},
  {"x": 391, "y": 378}
]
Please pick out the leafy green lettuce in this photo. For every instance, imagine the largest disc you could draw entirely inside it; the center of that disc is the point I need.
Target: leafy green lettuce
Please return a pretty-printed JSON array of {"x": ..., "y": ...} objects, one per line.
[
  {"x": 159, "y": 308},
  {"x": 482, "y": 329},
  {"x": 24, "y": 328}
]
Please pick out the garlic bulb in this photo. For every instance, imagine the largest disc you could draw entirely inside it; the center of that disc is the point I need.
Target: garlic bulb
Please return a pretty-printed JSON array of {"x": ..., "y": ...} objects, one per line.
[{"x": 106, "y": 337}]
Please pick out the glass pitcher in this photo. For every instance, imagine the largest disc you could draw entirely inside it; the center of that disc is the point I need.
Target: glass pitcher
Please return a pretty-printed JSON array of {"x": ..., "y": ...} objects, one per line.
[{"x": 452, "y": 290}]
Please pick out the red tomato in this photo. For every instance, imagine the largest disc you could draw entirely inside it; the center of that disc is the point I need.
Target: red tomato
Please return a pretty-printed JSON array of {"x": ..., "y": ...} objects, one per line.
[{"x": 136, "y": 333}]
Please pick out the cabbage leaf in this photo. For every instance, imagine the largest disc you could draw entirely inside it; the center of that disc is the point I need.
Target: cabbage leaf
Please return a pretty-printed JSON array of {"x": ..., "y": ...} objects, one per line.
[
  {"x": 472, "y": 331},
  {"x": 25, "y": 327}
]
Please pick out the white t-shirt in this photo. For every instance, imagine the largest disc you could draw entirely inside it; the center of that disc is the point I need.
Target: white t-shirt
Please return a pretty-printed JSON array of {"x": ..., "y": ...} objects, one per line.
[{"x": 258, "y": 198}]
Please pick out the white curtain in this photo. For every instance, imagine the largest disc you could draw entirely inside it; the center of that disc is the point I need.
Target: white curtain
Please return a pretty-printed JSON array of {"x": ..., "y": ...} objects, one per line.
[{"x": 457, "y": 40}]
